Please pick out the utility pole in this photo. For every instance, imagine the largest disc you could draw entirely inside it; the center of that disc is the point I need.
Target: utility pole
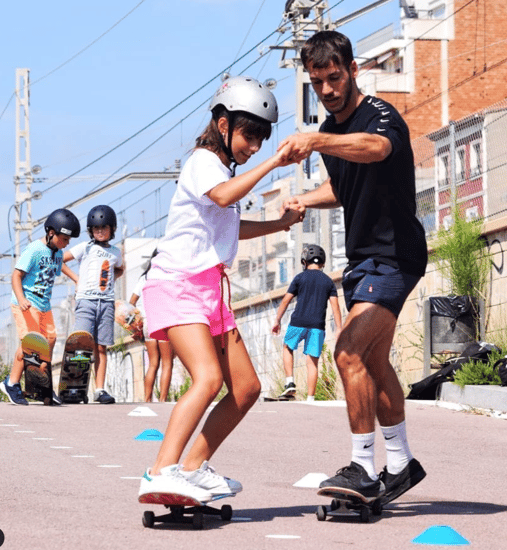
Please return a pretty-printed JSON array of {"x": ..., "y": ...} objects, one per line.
[
  {"x": 23, "y": 177},
  {"x": 306, "y": 17}
]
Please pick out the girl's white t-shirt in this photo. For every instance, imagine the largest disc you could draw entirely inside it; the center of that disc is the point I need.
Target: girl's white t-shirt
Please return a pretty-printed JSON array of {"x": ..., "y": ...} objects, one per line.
[{"x": 199, "y": 233}]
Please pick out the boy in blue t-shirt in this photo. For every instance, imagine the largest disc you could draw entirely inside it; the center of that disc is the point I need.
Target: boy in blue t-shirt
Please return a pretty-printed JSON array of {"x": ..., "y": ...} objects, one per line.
[
  {"x": 32, "y": 285},
  {"x": 313, "y": 289}
]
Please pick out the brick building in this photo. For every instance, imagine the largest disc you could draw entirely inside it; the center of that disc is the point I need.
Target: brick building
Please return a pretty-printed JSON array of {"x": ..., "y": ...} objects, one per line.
[{"x": 445, "y": 60}]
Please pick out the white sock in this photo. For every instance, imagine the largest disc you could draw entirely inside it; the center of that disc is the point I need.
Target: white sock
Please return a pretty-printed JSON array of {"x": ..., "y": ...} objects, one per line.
[
  {"x": 289, "y": 379},
  {"x": 363, "y": 452},
  {"x": 397, "y": 449},
  {"x": 310, "y": 397}
]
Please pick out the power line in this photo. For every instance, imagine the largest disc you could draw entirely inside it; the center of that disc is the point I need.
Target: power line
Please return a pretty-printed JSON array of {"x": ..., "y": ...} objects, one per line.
[{"x": 75, "y": 55}]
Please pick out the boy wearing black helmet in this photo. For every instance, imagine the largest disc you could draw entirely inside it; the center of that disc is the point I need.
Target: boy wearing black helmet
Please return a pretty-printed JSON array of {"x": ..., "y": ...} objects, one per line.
[
  {"x": 32, "y": 284},
  {"x": 313, "y": 289},
  {"x": 100, "y": 265}
]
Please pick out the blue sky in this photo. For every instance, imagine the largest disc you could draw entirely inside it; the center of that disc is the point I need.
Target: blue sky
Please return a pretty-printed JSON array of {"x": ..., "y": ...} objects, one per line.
[{"x": 150, "y": 61}]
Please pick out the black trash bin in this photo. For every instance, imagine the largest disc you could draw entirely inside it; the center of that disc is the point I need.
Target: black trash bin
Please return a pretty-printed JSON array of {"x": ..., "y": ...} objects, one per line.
[{"x": 454, "y": 320}]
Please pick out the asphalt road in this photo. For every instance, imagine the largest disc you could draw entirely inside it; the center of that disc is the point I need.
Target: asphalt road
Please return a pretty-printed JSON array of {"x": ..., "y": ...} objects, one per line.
[{"x": 70, "y": 477}]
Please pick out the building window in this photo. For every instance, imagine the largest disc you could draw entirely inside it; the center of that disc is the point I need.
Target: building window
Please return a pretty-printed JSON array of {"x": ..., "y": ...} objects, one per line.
[
  {"x": 460, "y": 164},
  {"x": 443, "y": 170},
  {"x": 475, "y": 159}
]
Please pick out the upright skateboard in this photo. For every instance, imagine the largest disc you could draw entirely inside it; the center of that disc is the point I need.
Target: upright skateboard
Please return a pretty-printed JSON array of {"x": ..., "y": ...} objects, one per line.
[
  {"x": 76, "y": 367},
  {"x": 183, "y": 510},
  {"x": 37, "y": 368},
  {"x": 345, "y": 500},
  {"x": 129, "y": 317}
]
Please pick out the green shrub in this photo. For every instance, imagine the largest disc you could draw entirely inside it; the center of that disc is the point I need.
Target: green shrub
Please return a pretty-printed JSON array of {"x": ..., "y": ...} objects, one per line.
[
  {"x": 326, "y": 382},
  {"x": 479, "y": 373}
]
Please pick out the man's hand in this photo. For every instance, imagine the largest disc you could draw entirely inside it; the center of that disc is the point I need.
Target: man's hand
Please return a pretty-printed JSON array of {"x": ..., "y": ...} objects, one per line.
[{"x": 297, "y": 147}]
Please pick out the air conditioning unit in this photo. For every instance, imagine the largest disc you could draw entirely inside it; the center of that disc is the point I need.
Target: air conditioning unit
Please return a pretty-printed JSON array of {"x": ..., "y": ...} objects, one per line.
[
  {"x": 447, "y": 222},
  {"x": 472, "y": 213}
]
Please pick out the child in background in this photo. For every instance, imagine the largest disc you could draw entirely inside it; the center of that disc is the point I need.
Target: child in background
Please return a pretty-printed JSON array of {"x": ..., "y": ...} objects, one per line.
[
  {"x": 159, "y": 351},
  {"x": 313, "y": 289},
  {"x": 100, "y": 265},
  {"x": 184, "y": 293},
  {"x": 32, "y": 284}
]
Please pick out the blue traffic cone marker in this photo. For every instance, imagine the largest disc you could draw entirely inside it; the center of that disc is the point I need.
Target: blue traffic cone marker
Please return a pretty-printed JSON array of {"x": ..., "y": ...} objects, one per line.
[
  {"x": 441, "y": 535},
  {"x": 150, "y": 435}
]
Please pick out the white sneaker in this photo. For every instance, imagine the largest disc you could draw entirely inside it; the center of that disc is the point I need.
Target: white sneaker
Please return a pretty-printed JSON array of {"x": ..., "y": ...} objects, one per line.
[
  {"x": 206, "y": 478},
  {"x": 169, "y": 486}
]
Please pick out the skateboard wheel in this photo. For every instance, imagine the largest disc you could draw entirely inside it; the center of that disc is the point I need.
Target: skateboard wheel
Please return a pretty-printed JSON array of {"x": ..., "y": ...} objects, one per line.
[
  {"x": 335, "y": 504},
  {"x": 197, "y": 521},
  {"x": 377, "y": 508},
  {"x": 226, "y": 512},
  {"x": 148, "y": 519},
  {"x": 365, "y": 515},
  {"x": 321, "y": 513},
  {"x": 85, "y": 400},
  {"x": 48, "y": 401}
]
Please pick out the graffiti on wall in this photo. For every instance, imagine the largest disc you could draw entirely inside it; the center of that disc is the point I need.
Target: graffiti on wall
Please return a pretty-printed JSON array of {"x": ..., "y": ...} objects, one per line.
[{"x": 120, "y": 376}]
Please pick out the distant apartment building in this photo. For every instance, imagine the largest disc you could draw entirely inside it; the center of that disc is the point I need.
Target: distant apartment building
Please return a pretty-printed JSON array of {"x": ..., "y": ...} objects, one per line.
[{"x": 444, "y": 60}]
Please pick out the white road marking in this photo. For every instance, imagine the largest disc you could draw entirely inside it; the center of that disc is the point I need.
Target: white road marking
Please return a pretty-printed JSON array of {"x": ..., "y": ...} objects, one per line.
[
  {"x": 283, "y": 537},
  {"x": 311, "y": 480}
]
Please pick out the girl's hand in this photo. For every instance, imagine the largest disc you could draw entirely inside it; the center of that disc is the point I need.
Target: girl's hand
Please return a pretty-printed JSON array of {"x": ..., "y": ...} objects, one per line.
[
  {"x": 291, "y": 216},
  {"x": 276, "y": 328},
  {"x": 295, "y": 204}
]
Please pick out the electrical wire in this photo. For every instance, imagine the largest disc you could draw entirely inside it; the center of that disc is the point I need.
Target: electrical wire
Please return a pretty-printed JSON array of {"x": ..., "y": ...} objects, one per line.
[{"x": 75, "y": 55}]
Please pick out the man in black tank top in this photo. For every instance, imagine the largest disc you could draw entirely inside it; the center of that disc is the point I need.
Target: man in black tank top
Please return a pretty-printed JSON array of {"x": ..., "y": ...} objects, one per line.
[{"x": 365, "y": 145}]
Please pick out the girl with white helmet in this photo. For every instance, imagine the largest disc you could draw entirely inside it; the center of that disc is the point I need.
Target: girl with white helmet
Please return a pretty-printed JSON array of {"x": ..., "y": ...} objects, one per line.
[{"x": 184, "y": 291}]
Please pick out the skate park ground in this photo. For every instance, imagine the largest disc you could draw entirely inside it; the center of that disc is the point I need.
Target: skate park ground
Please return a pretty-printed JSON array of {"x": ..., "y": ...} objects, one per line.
[{"x": 71, "y": 475}]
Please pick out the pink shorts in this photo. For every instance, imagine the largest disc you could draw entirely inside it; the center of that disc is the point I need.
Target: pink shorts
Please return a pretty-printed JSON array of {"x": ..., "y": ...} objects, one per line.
[{"x": 195, "y": 299}]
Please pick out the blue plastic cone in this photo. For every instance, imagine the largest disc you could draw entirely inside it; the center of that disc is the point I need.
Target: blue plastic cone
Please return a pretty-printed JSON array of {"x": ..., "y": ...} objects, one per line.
[
  {"x": 441, "y": 534},
  {"x": 150, "y": 435}
]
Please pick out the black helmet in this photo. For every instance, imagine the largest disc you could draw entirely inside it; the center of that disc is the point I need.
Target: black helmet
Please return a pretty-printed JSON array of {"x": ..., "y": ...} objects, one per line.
[
  {"x": 63, "y": 221},
  {"x": 102, "y": 215},
  {"x": 313, "y": 254}
]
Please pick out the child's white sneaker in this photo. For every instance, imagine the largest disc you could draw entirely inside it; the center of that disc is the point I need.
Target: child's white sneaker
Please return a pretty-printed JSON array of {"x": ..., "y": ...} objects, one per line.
[
  {"x": 206, "y": 478},
  {"x": 158, "y": 489}
]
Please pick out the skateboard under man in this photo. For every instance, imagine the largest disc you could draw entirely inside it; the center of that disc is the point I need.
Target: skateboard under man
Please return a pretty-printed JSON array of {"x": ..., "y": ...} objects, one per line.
[
  {"x": 183, "y": 509},
  {"x": 281, "y": 398},
  {"x": 130, "y": 318},
  {"x": 37, "y": 368},
  {"x": 76, "y": 367},
  {"x": 345, "y": 500}
]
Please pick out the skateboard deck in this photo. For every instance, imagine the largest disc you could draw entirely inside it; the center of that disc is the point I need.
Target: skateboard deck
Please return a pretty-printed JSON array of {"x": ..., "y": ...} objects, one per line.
[
  {"x": 183, "y": 510},
  {"x": 37, "y": 368},
  {"x": 76, "y": 367},
  {"x": 282, "y": 398},
  {"x": 345, "y": 500},
  {"x": 130, "y": 318}
]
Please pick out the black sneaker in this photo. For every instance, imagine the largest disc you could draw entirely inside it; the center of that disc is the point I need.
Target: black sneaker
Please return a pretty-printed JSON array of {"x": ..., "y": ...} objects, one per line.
[
  {"x": 104, "y": 398},
  {"x": 397, "y": 484},
  {"x": 14, "y": 392},
  {"x": 354, "y": 478},
  {"x": 56, "y": 399},
  {"x": 289, "y": 390}
]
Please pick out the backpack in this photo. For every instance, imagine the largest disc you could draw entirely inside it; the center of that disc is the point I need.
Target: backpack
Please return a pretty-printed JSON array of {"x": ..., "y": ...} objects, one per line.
[
  {"x": 475, "y": 351},
  {"x": 501, "y": 365}
]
